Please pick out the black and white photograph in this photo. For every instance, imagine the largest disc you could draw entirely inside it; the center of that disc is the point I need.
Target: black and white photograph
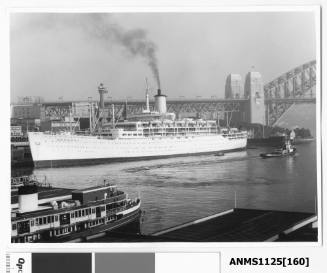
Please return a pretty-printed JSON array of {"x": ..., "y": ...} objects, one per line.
[{"x": 133, "y": 127}]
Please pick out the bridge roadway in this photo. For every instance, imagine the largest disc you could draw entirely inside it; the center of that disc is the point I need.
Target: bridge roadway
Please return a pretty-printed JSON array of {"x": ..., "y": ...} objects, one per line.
[
  {"x": 181, "y": 101},
  {"x": 201, "y": 105},
  {"x": 208, "y": 107}
]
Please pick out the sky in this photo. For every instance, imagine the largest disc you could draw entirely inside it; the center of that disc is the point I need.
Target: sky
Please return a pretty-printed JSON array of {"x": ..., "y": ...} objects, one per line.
[{"x": 69, "y": 55}]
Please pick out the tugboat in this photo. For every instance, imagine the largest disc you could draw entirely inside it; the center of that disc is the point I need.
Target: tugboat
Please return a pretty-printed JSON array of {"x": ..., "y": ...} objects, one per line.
[
  {"x": 89, "y": 212},
  {"x": 286, "y": 150}
]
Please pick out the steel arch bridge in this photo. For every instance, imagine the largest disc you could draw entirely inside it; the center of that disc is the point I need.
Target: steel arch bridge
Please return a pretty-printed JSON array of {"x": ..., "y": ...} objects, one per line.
[{"x": 295, "y": 86}]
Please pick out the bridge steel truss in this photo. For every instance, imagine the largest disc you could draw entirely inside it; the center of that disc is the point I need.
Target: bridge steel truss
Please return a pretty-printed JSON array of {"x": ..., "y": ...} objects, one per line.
[
  {"x": 204, "y": 107},
  {"x": 295, "y": 86}
]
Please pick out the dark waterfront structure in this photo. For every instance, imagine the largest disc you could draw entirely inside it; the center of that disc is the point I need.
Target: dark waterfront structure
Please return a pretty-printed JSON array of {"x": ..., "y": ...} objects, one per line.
[
  {"x": 235, "y": 225},
  {"x": 241, "y": 225}
]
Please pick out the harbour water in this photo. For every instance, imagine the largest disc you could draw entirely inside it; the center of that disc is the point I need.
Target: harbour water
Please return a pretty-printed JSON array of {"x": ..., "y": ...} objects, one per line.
[{"x": 178, "y": 190}]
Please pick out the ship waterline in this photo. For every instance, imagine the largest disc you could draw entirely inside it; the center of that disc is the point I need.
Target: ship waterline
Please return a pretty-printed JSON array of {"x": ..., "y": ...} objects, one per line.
[{"x": 70, "y": 149}]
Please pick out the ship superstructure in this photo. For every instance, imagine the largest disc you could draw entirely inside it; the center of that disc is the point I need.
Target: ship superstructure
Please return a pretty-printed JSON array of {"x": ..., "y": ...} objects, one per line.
[{"x": 150, "y": 134}]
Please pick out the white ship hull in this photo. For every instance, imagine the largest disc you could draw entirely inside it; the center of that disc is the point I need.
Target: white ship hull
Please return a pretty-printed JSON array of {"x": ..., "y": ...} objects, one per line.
[{"x": 64, "y": 149}]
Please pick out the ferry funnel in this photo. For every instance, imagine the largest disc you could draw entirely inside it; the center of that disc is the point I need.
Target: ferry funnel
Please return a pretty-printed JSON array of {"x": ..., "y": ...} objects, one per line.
[
  {"x": 27, "y": 198},
  {"x": 160, "y": 102}
]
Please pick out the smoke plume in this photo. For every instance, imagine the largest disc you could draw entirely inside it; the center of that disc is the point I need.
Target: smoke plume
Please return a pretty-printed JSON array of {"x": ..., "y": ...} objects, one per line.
[
  {"x": 135, "y": 42},
  {"x": 100, "y": 27}
]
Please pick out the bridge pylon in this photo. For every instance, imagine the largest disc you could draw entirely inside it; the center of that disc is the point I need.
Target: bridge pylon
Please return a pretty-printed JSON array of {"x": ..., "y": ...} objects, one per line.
[{"x": 254, "y": 111}]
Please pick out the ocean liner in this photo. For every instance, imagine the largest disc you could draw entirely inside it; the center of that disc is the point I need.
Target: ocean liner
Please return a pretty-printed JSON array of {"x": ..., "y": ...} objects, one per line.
[
  {"x": 150, "y": 134},
  {"x": 88, "y": 213}
]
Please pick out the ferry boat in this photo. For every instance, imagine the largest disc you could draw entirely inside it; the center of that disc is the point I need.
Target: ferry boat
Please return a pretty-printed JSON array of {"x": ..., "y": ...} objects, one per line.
[
  {"x": 88, "y": 213},
  {"x": 144, "y": 136}
]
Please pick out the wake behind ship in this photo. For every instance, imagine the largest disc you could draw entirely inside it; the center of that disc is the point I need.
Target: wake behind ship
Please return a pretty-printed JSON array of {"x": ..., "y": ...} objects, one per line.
[{"x": 147, "y": 135}]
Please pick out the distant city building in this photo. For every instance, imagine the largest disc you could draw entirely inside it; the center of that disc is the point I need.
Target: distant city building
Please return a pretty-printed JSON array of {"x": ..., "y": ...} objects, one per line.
[
  {"x": 26, "y": 111},
  {"x": 24, "y": 124},
  {"x": 233, "y": 86},
  {"x": 16, "y": 131},
  {"x": 253, "y": 91},
  {"x": 30, "y": 100}
]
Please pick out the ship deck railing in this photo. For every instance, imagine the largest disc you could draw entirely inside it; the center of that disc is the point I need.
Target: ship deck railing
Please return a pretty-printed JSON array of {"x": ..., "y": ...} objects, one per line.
[
  {"x": 51, "y": 211},
  {"x": 165, "y": 131}
]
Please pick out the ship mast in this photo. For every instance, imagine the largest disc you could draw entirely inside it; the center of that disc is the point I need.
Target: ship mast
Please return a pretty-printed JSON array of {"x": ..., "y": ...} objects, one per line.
[
  {"x": 90, "y": 118},
  {"x": 113, "y": 116},
  {"x": 70, "y": 119},
  {"x": 147, "y": 96}
]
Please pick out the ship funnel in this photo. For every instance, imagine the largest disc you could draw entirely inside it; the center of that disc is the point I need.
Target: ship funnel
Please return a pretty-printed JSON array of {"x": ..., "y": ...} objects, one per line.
[
  {"x": 27, "y": 198},
  {"x": 160, "y": 102}
]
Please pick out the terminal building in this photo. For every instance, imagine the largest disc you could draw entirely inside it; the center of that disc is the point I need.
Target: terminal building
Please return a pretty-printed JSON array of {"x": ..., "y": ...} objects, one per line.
[{"x": 26, "y": 111}]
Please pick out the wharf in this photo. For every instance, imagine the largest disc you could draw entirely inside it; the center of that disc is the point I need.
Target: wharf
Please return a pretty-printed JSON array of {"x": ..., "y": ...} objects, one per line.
[
  {"x": 235, "y": 225},
  {"x": 240, "y": 225}
]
